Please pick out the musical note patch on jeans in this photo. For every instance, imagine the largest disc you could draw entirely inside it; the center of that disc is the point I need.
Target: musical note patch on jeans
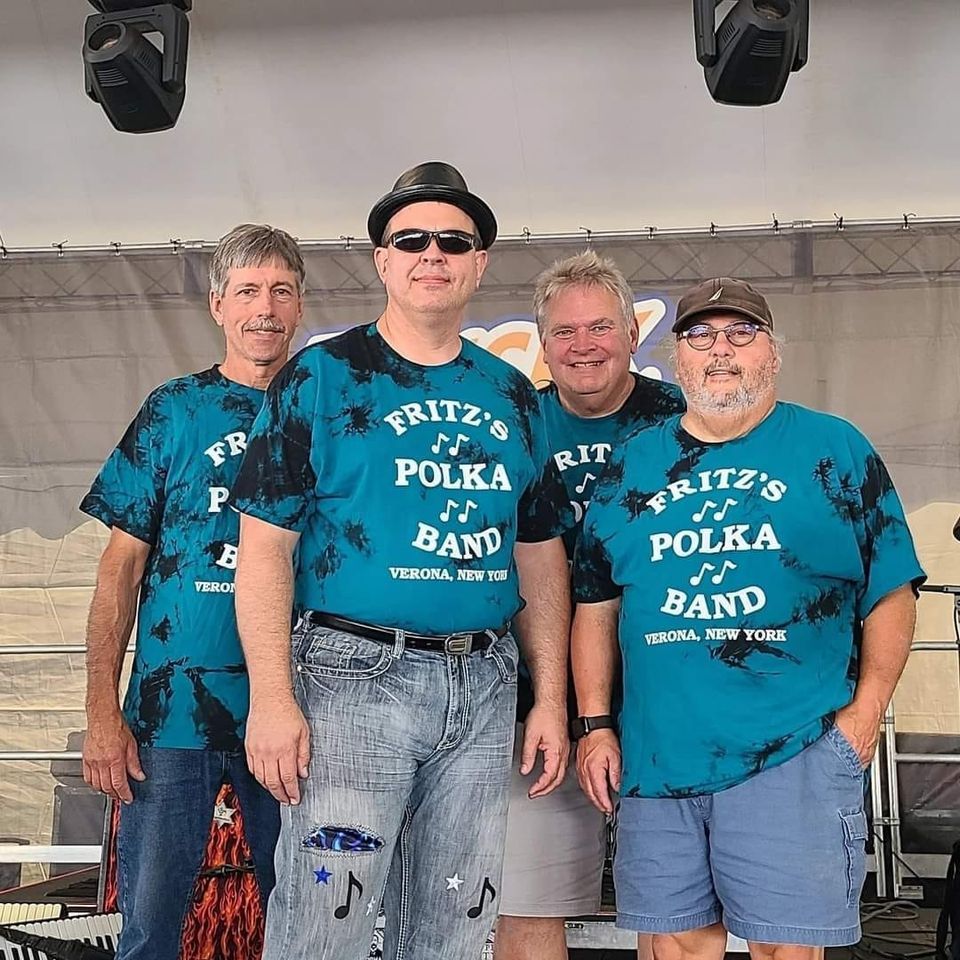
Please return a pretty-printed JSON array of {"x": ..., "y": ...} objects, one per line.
[
  {"x": 333, "y": 839},
  {"x": 343, "y": 910},
  {"x": 477, "y": 909}
]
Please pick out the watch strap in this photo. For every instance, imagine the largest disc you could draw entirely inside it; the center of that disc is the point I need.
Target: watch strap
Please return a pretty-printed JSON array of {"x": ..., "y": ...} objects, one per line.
[{"x": 580, "y": 727}]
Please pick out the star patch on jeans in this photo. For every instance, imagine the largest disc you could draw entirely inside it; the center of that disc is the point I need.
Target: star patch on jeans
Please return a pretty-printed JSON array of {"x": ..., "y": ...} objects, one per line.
[{"x": 341, "y": 840}]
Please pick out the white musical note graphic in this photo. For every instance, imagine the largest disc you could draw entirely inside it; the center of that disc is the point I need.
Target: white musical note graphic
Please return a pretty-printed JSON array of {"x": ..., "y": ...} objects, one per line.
[
  {"x": 471, "y": 505},
  {"x": 710, "y": 505},
  {"x": 455, "y": 449},
  {"x": 580, "y": 487},
  {"x": 718, "y": 577},
  {"x": 695, "y": 581},
  {"x": 727, "y": 504},
  {"x": 700, "y": 514},
  {"x": 441, "y": 439},
  {"x": 462, "y": 516}
]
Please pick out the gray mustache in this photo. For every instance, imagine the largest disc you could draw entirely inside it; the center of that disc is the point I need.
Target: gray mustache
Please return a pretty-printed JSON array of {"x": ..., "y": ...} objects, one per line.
[{"x": 714, "y": 367}]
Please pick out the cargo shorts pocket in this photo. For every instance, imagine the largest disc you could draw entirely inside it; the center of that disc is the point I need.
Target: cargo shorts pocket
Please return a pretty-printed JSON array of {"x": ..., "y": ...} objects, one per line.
[{"x": 854, "y": 850}]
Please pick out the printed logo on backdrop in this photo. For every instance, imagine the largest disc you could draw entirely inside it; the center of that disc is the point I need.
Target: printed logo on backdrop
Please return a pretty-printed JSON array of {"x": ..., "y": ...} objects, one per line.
[{"x": 514, "y": 338}]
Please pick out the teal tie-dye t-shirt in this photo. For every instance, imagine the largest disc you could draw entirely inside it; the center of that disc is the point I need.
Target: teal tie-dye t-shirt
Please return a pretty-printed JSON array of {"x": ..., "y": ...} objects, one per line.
[
  {"x": 409, "y": 484},
  {"x": 745, "y": 569},
  {"x": 167, "y": 484},
  {"x": 580, "y": 447}
]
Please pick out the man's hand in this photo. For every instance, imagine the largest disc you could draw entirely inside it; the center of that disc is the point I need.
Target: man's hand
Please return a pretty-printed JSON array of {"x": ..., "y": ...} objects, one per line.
[
  {"x": 598, "y": 768},
  {"x": 860, "y": 724},
  {"x": 545, "y": 730},
  {"x": 278, "y": 748},
  {"x": 110, "y": 754}
]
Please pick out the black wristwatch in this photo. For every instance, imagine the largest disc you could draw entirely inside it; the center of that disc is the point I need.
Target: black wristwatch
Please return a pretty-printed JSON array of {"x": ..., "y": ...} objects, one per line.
[{"x": 580, "y": 727}]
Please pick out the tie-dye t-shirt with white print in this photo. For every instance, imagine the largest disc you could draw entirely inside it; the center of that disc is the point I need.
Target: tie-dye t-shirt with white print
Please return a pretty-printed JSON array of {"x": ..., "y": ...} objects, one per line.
[
  {"x": 167, "y": 484},
  {"x": 580, "y": 447},
  {"x": 745, "y": 569},
  {"x": 409, "y": 484}
]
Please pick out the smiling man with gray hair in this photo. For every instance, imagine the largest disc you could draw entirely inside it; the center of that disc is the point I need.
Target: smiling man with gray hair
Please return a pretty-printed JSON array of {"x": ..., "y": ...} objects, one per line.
[
  {"x": 556, "y": 845},
  {"x": 753, "y": 559}
]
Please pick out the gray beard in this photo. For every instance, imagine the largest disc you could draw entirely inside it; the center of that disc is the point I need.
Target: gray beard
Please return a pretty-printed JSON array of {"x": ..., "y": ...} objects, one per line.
[{"x": 747, "y": 394}]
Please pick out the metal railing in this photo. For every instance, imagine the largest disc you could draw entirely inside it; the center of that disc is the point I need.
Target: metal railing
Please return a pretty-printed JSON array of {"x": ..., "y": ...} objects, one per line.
[
  {"x": 883, "y": 776},
  {"x": 916, "y": 865}
]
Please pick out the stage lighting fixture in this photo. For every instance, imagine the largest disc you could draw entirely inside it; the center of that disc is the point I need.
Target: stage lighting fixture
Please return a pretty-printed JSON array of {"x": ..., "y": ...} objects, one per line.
[
  {"x": 139, "y": 84},
  {"x": 747, "y": 60}
]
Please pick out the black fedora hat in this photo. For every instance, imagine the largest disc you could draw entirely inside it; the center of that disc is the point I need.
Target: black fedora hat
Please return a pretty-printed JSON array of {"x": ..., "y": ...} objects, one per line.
[{"x": 433, "y": 180}]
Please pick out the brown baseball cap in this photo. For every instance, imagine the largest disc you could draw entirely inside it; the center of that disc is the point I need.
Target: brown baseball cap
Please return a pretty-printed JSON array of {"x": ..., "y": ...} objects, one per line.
[{"x": 722, "y": 295}]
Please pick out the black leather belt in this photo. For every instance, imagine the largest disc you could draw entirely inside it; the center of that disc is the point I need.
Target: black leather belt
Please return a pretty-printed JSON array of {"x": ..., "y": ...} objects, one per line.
[{"x": 454, "y": 643}]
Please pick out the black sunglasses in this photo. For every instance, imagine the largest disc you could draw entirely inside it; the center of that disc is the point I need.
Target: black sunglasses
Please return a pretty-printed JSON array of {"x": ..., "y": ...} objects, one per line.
[{"x": 449, "y": 241}]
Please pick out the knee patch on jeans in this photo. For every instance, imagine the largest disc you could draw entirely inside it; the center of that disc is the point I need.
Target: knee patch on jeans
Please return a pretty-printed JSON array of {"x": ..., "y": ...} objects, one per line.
[{"x": 342, "y": 839}]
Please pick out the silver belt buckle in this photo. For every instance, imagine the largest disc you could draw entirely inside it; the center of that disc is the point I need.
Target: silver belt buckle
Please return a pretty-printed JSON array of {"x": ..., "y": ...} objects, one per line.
[{"x": 458, "y": 643}]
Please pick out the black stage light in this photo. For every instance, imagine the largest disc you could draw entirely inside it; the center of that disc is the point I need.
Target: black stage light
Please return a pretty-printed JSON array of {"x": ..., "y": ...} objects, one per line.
[
  {"x": 746, "y": 62},
  {"x": 139, "y": 85}
]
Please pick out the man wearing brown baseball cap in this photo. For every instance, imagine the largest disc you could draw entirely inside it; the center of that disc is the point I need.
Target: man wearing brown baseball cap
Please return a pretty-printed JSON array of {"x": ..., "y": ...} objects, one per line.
[{"x": 752, "y": 558}]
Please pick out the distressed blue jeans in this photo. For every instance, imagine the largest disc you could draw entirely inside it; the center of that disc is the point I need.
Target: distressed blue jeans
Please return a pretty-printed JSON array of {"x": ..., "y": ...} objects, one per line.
[
  {"x": 406, "y": 800},
  {"x": 163, "y": 835}
]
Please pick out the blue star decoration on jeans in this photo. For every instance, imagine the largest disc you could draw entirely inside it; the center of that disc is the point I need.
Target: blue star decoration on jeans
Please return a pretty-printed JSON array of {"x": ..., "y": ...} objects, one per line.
[{"x": 322, "y": 875}]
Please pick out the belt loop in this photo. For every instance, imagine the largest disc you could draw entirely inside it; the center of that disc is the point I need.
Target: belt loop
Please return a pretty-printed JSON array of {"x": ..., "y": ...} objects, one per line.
[{"x": 399, "y": 643}]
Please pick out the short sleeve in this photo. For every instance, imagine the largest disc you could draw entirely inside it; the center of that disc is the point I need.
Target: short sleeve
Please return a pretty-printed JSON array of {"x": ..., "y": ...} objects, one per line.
[
  {"x": 277, "y": 478},
  {"x": 544, "y": 511},
  {"x": 128, "y": 492},
  {"x": 886, "y": 545},
  {"x": 592, "y": 571}
]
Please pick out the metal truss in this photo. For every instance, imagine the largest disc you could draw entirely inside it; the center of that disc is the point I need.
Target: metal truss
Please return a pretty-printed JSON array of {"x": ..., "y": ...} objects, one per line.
[{"x": 797, "y": 256}]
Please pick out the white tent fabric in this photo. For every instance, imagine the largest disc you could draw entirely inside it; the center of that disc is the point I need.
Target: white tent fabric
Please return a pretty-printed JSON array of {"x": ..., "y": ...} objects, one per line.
[{"x": 872, "y": 328}]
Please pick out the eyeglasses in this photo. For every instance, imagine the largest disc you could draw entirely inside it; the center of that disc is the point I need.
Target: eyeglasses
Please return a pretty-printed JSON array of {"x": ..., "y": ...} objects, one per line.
[
  {"x": 449, "y": 241},
  {"x": 597, "y": 331},
  {"x": 701, "y": 336}
]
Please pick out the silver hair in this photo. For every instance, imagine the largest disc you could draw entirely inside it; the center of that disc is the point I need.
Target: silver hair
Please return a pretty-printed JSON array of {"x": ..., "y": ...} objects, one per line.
[
  {"x": 587, "y": 269},
  {"x": 254, "y": 245}
]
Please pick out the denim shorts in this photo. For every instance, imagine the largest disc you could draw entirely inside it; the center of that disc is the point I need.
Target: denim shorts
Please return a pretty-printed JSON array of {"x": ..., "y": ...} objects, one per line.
[{"x": 779, "y": 858}]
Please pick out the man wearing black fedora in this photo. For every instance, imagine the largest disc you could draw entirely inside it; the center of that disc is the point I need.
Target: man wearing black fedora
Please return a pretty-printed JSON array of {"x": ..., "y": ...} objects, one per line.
[{"x": 399, "y": 496}]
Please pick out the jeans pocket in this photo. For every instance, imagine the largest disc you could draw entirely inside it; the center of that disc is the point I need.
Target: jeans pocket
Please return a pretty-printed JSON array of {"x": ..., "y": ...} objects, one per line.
[
  {"x": 854, "y": 849},
  {"x": 843, "y": 748},
  {"x": 505, "y": 654},
  {"x": 342, "y": 656}
]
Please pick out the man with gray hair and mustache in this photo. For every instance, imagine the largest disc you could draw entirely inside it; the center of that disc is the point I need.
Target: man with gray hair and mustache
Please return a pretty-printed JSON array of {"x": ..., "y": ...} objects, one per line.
[
  {"x": 753, "y": 559},
  {"x": 170, "y": 564}
]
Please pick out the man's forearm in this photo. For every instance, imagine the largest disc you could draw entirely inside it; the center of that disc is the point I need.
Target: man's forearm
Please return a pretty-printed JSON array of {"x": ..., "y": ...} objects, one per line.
[
  {"x": 887, "y": 636},
  {"x": 264, "y": 599},
  {"x": 594, "y": 656},
  {"x": 543, "y": 626},
  {"x": 109, "y": 624}
]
